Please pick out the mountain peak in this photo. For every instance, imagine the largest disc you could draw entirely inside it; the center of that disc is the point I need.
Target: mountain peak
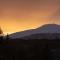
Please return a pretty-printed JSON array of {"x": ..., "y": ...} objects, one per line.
[
  {"x": 49, "y": 28},
  {"x": 50, "y": 25}
]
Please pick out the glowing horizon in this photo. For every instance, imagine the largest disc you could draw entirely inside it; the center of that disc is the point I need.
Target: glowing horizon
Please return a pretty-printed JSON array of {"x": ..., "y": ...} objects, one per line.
[{"x": 20, "y": 15}]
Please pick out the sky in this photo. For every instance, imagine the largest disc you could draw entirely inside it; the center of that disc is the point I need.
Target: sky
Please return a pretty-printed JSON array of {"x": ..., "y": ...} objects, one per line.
[{"x": 20, "y": 15}]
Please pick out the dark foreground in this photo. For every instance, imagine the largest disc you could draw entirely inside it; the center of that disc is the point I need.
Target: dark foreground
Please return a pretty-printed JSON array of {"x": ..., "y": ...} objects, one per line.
[{"x": 19, "y": 49}]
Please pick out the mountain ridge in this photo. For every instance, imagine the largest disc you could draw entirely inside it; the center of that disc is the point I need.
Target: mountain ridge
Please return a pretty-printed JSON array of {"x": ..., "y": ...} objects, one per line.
[{"x": 44, "y": 29}]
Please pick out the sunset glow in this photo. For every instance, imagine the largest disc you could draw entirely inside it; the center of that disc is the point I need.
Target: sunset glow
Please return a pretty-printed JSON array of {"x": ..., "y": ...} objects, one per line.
[{"x": 20, "y": 15}]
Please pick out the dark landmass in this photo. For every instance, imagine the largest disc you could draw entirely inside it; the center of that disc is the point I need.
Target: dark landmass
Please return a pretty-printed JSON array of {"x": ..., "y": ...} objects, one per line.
[{"x": 30, "y": 49}]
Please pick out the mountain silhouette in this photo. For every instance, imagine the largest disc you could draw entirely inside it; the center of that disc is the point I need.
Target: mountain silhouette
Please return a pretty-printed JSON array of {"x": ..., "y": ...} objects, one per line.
[
  {"x": 49, "y": 28},
  {"x": 43, "y": 30}
]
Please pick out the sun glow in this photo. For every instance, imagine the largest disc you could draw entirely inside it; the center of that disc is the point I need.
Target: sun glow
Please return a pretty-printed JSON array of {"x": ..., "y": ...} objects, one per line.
[{"x": 20, "y": 15}]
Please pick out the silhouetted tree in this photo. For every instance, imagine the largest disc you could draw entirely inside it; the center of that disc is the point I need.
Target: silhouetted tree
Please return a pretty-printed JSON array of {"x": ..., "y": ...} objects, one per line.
[
  {"x": 1, "y": 35},
  {"x": 7, "y": 37}
]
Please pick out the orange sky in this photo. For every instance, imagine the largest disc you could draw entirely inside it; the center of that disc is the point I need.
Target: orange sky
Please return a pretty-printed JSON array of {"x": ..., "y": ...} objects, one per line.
[{"x": 19, "y": 15}]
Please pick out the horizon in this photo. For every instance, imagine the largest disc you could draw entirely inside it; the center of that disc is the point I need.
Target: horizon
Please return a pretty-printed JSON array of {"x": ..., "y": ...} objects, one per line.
[{"x": 30, "y": 29}]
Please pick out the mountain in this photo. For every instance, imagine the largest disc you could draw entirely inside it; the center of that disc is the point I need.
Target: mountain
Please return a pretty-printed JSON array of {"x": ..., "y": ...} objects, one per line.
[{"x": 45, "y": 30}]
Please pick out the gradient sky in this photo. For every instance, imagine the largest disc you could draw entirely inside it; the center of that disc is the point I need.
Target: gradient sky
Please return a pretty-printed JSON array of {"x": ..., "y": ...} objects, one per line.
[{"x": 19, "y": 15}]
